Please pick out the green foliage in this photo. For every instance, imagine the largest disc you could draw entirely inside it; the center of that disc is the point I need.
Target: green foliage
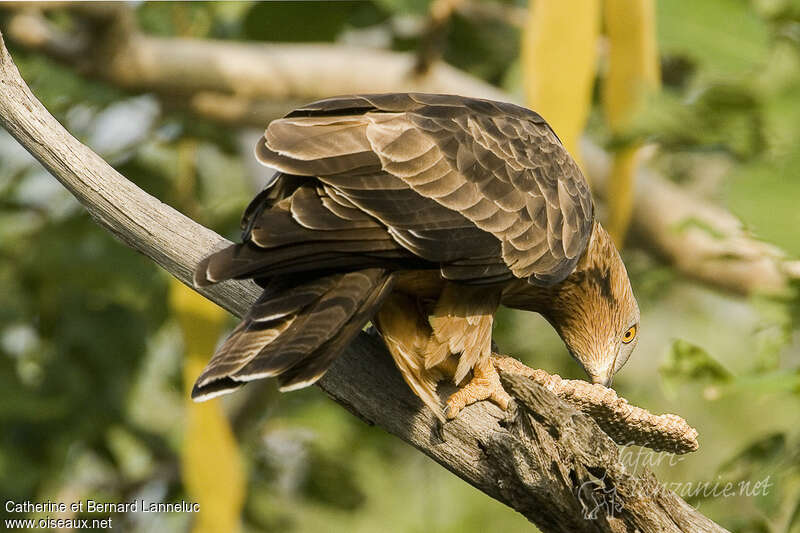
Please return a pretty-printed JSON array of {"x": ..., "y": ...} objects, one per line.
[
  {"x": 719, "y": 116},
  {"x": 60, "y": 88},
  {"x": 736, "y": 42},
  {"x": 307, "y": 21},
  {"x": 686, "y": 362},
  {"x": 773, "y": 180},
  {"x": 88, "y": 309},
  {"x": 332, "y": 481},
  {"x": 485, "y": 49},
  {"x": 650, "y": 277},
  {"x": 770, "y": 449},
  {"x": 768, "y": 465}
]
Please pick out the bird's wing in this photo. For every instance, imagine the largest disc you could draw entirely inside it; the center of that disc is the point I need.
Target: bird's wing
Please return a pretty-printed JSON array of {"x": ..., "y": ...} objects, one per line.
[{"x": 483, "y": 188}]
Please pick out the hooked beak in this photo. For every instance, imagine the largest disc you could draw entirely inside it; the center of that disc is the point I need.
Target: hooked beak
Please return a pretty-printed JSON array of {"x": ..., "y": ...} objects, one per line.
[
  {"x": 605, "y": 376},
  {"x": 596, "y": 372}
]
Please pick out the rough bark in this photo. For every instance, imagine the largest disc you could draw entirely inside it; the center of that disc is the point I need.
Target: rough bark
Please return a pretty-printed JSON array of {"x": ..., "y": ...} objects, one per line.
[{"x": 544, "y": 459}]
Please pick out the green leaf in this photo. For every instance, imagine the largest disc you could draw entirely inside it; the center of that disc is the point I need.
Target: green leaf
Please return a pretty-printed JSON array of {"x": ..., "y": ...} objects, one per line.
[
  {"x": 725, "y": 116},
  {"x": 60, "y": 87},
  {"x": 687, "y": 363}
]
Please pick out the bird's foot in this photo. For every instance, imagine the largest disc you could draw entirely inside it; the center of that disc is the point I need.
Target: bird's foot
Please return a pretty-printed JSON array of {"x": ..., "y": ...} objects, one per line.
[
  {"x": 515, "y": 366},
  {"x": 484, "y": 385}
]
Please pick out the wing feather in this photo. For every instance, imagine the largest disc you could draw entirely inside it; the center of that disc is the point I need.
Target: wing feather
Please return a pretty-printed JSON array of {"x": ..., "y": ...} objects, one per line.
[{"x": 420, "y": 162}]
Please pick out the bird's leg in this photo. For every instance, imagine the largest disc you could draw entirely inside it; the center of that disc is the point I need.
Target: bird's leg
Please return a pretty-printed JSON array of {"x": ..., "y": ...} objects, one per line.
[
  {"x": 405, "y": 332},
  {"x": 484, "y": 385},
  {"x": 448, "y": 368},
  {"x": 514, "y": 366}
]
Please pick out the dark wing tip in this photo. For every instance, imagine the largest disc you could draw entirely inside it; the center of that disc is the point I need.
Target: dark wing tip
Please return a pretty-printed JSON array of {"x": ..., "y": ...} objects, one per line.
[
  {"x": 212, "y": 389},
  {"x": 200, "y": 277},
  {"x": 300, "y": 381}
]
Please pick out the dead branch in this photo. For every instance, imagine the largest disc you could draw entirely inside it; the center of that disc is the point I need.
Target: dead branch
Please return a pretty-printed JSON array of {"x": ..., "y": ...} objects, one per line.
[
  {"x": 250, "y": 84},
  {"x": 546, "y": 460}
]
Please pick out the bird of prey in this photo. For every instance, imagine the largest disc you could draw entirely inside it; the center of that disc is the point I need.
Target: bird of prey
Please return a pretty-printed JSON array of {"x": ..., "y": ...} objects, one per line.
[{"x": 422, "y": 213}]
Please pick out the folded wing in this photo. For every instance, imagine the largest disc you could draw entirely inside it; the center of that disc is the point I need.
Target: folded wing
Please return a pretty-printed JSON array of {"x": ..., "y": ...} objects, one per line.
[{"x": 484, "y": 189}]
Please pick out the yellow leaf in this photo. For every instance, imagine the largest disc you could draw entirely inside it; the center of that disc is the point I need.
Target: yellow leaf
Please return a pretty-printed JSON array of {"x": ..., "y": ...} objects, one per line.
[
  {"x": 620, "y": 192},
  {"x": 633, "y": 68},
  {"x": 559, "y": 54},
  {"x": 632, "y": 58},
  {"x": 211, "y": 466}
]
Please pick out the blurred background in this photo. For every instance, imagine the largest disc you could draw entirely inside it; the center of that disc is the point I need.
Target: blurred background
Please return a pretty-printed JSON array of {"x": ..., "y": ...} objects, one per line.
[{"x": 684, "y": 115}]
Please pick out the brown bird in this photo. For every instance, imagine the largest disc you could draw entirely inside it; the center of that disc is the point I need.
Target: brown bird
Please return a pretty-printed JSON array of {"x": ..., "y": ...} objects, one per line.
[{"x": 422, "y": 213}]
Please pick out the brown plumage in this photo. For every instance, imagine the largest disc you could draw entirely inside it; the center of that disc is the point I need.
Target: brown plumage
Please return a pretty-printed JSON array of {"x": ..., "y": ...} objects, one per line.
[{"x": 423, "y": 213}]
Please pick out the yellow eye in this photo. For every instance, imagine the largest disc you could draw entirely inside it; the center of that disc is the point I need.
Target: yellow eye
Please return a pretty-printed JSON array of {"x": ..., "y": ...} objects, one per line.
[{"x": 629, "y": 335}]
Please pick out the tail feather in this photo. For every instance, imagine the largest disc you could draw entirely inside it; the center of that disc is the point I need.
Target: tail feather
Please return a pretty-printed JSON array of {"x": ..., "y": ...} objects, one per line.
[
  {"x": 242, "y": 346},
  {"x": 314, "y": 366},
  {"x": 311, "y": 328},
  {"x": 289, "y": 298},
  {"x": 295, "y": 331}
]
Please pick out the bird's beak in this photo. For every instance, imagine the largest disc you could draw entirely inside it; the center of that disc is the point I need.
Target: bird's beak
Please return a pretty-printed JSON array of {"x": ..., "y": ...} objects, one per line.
[
  {"x": 597, "y": 374},
  {"x": 605, "y": 376}
]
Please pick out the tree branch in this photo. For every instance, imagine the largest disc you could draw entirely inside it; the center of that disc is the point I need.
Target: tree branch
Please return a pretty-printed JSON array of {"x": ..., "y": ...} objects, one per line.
[
  {"x": 266, "y": 71},
  {"x": 544, "y": 459},
  {"x": 250, "y": 84},
  {"x": 699, "y": 238}
]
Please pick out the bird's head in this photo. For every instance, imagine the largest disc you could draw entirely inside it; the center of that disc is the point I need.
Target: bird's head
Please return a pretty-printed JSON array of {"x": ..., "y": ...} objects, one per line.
[{"x": 595, "y": 312}]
